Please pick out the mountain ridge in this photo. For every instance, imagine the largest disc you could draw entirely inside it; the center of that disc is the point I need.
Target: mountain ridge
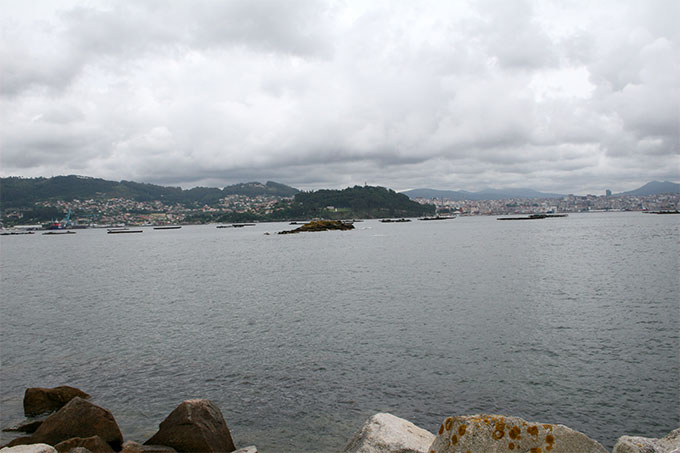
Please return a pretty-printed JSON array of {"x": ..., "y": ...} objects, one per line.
[
  {"x": 651, "y": 188},
  {"x": 17, "y": 191},
  {"x": 654, "y": 188}
]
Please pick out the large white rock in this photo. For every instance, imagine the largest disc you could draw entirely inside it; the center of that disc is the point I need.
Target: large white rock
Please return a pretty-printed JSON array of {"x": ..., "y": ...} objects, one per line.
[
  {"x": 632, "y": 444},
  {"x": 500, "y": 434},
  {"x": 32, "y": 448},
  {"x": 385, "y": 433}
]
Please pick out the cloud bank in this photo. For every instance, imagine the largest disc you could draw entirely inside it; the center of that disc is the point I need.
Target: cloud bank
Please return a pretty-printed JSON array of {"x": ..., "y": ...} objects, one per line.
[{"x": 558, "y": 96}]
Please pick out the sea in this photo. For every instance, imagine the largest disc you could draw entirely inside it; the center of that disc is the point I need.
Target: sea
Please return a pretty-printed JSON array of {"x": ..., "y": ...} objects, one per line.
[{"x": 298, "y": 339}]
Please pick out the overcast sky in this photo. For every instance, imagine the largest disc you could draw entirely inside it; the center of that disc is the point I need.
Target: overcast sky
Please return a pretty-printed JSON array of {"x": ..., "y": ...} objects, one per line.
[{"x": 562, "y": 96}]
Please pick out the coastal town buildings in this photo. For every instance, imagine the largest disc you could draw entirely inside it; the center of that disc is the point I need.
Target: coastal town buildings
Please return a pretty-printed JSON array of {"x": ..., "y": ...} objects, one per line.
[{"x": 130, "y": 212}]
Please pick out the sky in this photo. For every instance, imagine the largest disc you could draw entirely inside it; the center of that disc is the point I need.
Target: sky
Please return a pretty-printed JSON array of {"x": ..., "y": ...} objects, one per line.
[{"x": 567, "y": 96}]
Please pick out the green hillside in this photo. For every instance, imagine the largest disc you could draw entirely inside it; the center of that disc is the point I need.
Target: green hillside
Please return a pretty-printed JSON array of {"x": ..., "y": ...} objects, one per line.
[
  {"x": 18, "y": 192},
  {"x": 354, "y": 202}
]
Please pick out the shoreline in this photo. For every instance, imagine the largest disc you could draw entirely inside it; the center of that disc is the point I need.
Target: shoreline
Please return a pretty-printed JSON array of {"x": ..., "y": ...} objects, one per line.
[{"x": 63, "y": 418}]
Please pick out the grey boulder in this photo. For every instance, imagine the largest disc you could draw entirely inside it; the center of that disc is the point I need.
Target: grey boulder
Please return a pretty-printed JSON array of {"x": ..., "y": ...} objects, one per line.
[
  {"x": 497, "y": 433},
  {"x": 632, "y": 444},
  {"x": 385, "y": 433},
  {"x": 32, "y": 448}
]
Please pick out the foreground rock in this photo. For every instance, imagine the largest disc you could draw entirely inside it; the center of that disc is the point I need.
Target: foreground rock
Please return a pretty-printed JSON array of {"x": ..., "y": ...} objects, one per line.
[
  {"x": 79, "y": 418},
  {"x": 496, "y": 434},
  {"x": 33, "y": 448},
  {"x": 385, "y": 433},
  {"x": 249, "y": 449},
  {"x": 38, "y": 400},
  {"x": 194, "y": 426},
  {"x": 321, "y": 225},
  {"x": 94, "y": 444},
  {"x": 631, "y": 444}
]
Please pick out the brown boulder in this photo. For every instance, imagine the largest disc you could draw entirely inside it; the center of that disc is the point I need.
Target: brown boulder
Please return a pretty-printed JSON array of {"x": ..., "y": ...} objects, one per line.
[
  {"x": 38, "y": 400},
  {"x": 195, "y": 426},
  {"x": 79, "y": 418},
  {"x": 95, "y": 444}
]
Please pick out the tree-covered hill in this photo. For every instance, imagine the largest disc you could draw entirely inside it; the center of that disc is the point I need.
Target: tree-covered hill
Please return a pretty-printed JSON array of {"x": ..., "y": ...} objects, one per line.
[
  {"x": 355, "y": 202},
  {"x": 18, "y": 192}
]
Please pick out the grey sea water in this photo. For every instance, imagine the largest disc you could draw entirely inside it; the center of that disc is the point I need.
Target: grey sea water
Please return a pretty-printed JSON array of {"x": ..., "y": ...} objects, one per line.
[{"x": 300, "y": 338}]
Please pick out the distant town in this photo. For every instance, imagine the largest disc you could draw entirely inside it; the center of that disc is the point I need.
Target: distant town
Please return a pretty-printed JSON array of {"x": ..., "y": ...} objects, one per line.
[
  {"x": 119, "y": 211},
  {"x": 76, "y": 201},
  {"x": 566, "y": 204}
]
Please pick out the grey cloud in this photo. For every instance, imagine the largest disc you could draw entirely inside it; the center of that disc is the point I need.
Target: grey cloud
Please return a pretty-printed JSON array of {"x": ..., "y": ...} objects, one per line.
[{"x": 324, "y": 94}]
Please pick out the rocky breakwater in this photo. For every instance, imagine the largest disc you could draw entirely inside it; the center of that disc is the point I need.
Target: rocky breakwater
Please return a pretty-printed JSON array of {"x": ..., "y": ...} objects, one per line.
[
  {"x": 321, "y": 225},
  {"x": 385, "y": 433},
  {"x": 78, "y": 426}
]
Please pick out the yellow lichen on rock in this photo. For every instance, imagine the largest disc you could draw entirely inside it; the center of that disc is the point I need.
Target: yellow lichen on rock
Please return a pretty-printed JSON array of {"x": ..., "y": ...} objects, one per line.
[{"x": 498, "y": 434}]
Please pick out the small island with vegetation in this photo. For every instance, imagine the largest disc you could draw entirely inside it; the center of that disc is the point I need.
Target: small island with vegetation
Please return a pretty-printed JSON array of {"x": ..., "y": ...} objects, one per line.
[{"x": 321, "y": 225}]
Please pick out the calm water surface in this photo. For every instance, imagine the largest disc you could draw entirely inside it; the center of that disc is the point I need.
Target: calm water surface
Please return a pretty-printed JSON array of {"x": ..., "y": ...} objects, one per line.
[{"x": 300, "y": 338}]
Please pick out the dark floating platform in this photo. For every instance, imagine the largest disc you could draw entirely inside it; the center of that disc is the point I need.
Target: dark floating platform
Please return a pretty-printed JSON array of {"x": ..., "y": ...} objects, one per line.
[
  {"x": 15, "y": 233},
  {"x": 167, "y": 227},
  {"x": 394, "y": 220},
  {"x": 58, "y": 233},
  {"x": 438, "y": 218},
  {"x": 123, "y": 230},
  {"x": 236, "y": 225},
  {"x": 533, "y": 217}
]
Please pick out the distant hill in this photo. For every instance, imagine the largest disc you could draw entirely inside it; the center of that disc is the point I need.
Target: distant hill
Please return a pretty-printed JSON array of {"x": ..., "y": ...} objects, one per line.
[
  {"x": 18, "y": 192},
  {"x": 253, "y": 189},
  {"x": 654, "y": 188},
  {"x": 486, "y": 194}
]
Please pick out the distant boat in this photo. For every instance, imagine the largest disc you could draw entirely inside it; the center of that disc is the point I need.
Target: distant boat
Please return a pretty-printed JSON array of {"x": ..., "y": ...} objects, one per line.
[
  {"x": 59, "y": 232},
  {"x": 167, "y": 227},
  {"x": 122, "y": 230},
  {"x": 394, "y": 220}
]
